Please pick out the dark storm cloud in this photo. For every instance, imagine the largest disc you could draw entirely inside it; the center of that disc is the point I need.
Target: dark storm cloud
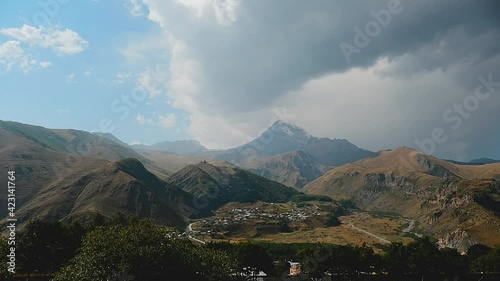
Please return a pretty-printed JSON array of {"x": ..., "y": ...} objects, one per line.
[
  {"x": 275, "y": 46},
  {"x": 432, "y": 52}
]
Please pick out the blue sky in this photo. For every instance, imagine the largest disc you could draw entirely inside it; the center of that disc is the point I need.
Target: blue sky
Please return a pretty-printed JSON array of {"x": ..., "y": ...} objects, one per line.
[
  {"x": 78, "y": 88},
  {"x": 380, "y": 73}
]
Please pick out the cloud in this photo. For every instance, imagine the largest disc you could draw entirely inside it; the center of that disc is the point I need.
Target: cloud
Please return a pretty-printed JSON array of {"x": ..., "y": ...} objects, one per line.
[
  {"x": 44, "y": 64},
  {"x": 143, "y": 120},
  {"x": 151, "y": 83},
  {"x": 88, "y": 72},
  {"x": 12, "y": 55},
  {"x": 122, "y": 77},
  {"x": 71, "y": 78},
  {"x": 134, "y": 7},
  {"x": 61, "y": 42},
  {"x": 232, "y": 62},
  {"x": 167, "y": 121}
]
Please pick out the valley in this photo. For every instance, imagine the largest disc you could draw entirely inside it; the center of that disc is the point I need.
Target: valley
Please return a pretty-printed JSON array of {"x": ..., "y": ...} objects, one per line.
[
  {"x": 280, "y": 223},
  {"x": 283, "y": 193}
]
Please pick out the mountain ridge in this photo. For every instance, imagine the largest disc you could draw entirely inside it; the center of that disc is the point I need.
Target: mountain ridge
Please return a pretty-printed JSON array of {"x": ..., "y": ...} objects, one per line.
[{"x": 442, "y": 197}]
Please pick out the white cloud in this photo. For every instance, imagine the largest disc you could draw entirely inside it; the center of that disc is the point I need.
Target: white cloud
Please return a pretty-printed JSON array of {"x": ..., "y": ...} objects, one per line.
[
  {"x": 12, "y": 55},
  {"x": 151, "y": 83},
  {"x": 88, "y": 72},
  {"x": 143, "y": 120},
  {"x": 146, "y": 49},
  {"x": 45, "y": 64},
  {"x": 71, "y": 78},
  {"x": 135, "y": 7},
  {"x": 122, "y": 77},
  {"x": 167, "y": 121},
  {"x": 225, "y": 12},
  {"x": 61, "y": 42}
]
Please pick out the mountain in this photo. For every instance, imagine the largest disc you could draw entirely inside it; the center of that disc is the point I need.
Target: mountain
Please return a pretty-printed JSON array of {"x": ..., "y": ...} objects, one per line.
[
  {"x": 42, "y": 156},
  {"x": 288, "y": 154},
  {"x": 480, "y": 161},
  {"x": 215, "y": 186},
  {"x": 122, "y": 186},
  {"x": 445, "y": 199},
  {"x": 295, "y": 169},
  {"x": 110, "y": 137},
  {"x": 282, "y": 137},
  {"x": 484, "y": 161},
  {"x": 182, "y": 147},
  {"x": 172, "y": 163}
]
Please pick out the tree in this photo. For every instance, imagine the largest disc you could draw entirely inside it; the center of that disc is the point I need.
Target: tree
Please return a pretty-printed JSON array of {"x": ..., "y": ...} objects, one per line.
[
  {"x": 45, "y": 246},
  {"x": 146, "y": 252},
  {"x": 476, "y": 251},
  {"x": 395, "y": 259},
  {"x": 332, "y": 220},
  {"x": 489, "y": 263},
  {"x": 423, "y": 257},
  {"x": 452, "y": 262},
  {"x": 4, "y": 249},
  {"x": 254, "y": 258},
  {"x": 284, "y": 227}
]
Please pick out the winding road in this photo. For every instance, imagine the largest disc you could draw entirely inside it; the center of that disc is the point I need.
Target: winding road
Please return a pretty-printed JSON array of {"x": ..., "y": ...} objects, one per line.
[
  {"x": 383, "y": 240},
  {"x": 189, "y": 229}
]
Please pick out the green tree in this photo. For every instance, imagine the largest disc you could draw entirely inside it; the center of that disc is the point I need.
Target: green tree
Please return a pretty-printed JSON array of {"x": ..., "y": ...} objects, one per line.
[
  {"x": 333, "y": 220},
  {"x": 45, "y": 246},
  {"x": 395, "y": 259},
  {"x": 476, "y": 251},
  {"x": 452, "y": 263},
  {"x": 144, "y": 251},
  {"x": 4, "y": 249},
  {"x": 284, "y": 227},
  {"x": 489, "y": 263},
  {"x": 254, "y": 258},
  {"x": 423, "y": 257}
]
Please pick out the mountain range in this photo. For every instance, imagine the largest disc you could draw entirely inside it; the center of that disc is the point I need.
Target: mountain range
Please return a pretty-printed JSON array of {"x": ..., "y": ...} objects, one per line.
[
  {"x": 461, "y": 202},
  {"x": 182, "y": 147},
  {"x": 70, "y": 174}
]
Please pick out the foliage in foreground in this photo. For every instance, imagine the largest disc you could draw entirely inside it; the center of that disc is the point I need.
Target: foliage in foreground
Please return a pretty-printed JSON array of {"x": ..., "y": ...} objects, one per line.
[
  {"x": 144, "y": 251},
  {"x": 122, "y": 248}
]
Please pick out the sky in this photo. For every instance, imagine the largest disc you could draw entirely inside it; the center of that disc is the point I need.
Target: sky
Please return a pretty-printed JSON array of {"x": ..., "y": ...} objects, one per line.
[{"x": 380, "y": 73}]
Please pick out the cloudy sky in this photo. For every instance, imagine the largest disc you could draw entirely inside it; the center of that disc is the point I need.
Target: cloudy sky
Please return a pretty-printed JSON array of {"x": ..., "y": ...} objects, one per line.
[{"x": 380, "y": 73}]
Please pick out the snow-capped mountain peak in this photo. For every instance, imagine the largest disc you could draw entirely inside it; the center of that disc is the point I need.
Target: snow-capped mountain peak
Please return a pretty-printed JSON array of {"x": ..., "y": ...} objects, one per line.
[{"x": 291, "y": 130}]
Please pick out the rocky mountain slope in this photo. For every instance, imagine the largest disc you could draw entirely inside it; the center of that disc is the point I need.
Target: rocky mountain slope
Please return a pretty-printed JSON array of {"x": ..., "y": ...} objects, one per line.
[
  {"x": 282, "y": 137},
  {"x": 42, "y": 156},
  {"x": 215, "y": 186},
  {"x": 123, "y": 186},
  {"x": 444, "y": 198},
  {"x": 295, "y": 169}
]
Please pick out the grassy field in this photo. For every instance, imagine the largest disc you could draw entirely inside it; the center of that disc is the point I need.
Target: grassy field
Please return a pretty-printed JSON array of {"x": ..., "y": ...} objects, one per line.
[{"x": 387, "y": 228}]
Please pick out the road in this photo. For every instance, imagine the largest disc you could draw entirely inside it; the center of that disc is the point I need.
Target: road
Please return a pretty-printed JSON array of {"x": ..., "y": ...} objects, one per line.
[
  {"x": 189, "y": 229},
  {"x": 383, "y": 240}
]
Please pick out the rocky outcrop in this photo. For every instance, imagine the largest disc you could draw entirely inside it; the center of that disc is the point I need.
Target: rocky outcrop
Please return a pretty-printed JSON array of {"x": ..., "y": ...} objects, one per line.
[{"x": 458, "y": 239}]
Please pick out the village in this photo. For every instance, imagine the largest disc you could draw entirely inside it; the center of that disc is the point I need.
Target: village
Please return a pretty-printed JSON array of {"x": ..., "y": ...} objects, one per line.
[{"x": 226, "y": 218}]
